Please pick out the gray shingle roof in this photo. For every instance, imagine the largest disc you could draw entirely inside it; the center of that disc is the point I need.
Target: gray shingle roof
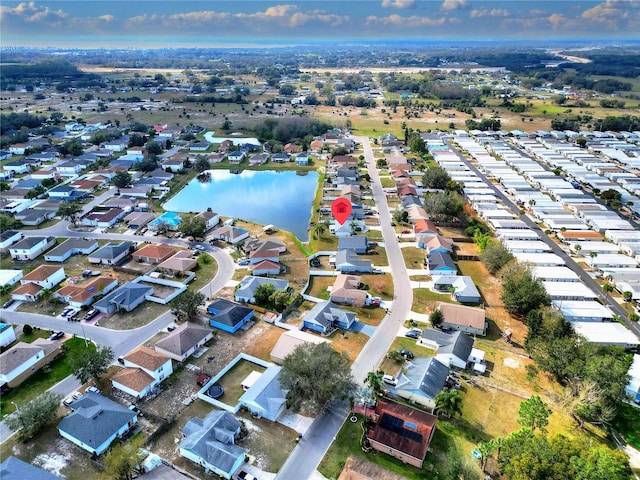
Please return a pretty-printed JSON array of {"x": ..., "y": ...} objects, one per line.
[
  {"x": 326, "y": 313},
  {"x": 212, "y": 439},
  {"x": 94, "y": 419},
  {"x": 125, "y": 296},
  {"x": 438, "y": 260},
  {"x": 112, "y": 250},
  {"x": 15, "y": 469},
  {"x": 457, "y": 343}
]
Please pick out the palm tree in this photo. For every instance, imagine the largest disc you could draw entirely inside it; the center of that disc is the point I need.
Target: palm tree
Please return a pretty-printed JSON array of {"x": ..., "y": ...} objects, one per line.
[
  {"x": 318, "y": 230},
  {"x": 449, "y": 403},
  {"x": 374, "y": 380}
]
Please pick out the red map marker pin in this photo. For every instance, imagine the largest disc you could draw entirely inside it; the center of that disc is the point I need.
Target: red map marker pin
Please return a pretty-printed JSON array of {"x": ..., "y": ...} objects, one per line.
[{"x": 341, "y": 209}]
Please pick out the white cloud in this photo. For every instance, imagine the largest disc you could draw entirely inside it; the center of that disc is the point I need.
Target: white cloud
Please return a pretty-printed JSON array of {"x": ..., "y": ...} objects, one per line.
[
  {"x": 410, "y": 22},
  {"x": 485, "y": 12},
  {"x": 451, "y": 5},
  {"x": 398, "y": 4}
]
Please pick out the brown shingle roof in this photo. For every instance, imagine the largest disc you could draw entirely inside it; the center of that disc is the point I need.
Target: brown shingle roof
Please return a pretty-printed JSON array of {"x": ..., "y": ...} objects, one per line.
[
  {"x": 28, "y": 289},
  {"x": 462, "y": 315},
  {"x": 41, "y": 273},
  {"x": 81, "y": 293},
  {"x": 134, "y": 378},
  {"x": 155, "y": 250},
  {"x": 147, "y": 358}
]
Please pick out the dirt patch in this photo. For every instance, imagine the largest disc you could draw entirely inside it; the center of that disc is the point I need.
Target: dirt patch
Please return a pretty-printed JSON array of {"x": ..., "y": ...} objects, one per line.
[{"x": 511, "y": 362}]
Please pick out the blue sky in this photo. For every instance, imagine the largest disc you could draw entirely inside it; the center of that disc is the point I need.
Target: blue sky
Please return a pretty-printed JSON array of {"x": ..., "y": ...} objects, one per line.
[{"x": 155, "y": 23}]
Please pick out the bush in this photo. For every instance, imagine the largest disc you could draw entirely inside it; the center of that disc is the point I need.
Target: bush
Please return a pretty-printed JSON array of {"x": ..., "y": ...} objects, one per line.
[{"x": 27, "y": 329}]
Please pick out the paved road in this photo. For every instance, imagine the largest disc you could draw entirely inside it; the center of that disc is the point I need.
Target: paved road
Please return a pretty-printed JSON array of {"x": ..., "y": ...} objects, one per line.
[
  {"x": 305, "y": 458},
  {"x": 555, "y": 248}
]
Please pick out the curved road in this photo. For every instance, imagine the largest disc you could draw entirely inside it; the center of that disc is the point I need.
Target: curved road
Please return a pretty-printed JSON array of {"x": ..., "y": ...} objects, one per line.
[{"x": 305, "y": 458}]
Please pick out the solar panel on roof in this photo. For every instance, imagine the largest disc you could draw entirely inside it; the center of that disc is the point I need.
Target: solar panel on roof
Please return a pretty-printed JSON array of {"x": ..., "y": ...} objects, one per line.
[{"x": 396, "y": 425}]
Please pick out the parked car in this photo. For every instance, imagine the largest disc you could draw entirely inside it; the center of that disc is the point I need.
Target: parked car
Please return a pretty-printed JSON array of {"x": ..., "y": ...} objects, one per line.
[
  {"x": 408, "y": 354},
  {"x": 373, "y": 244},
  {"x": 8, "y": 303},
  {"x": 412, "y": 334},
  {"x": 373, "y": 252},
  {"x": 67, "y": 312},
  {"x": 56, "y": 336},
  {"x": 405, "y": 231},
  {"x": 243, "y": 261},
  {"x": 390, "y": 380},
  {"x": 199, "y": 247},
  {"x": 91, "y": 314},
  {"x": 246, "y": 476}
]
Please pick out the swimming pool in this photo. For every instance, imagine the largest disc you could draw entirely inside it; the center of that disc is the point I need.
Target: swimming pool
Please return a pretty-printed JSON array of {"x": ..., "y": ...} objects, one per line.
[{"x": 172, "y": 219}]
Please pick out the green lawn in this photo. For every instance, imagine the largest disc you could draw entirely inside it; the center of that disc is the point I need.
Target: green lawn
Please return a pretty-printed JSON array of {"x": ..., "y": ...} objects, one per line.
[
  {"x": 627, "y": 422},
  {"x": 48, "y": 376},
  {"x": 424, "y": 299},
  {"x": 231, "y": 381},
  {"x": 347, "y": 443}
]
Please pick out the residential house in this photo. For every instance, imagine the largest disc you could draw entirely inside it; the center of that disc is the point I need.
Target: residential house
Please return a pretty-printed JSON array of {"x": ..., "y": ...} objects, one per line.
[
  {"x": 8, "y": 238},
  {"x": 71, "y": 246},
  {"x": 9, "y": 277},
  {"x": 153, "y": 253},
  {"x": 462, "y": 318},
  {"x": 441, "y": 263},
  {"x": 144, "y": 368},
  {"x": 462, "y": 288},
  {"x": 225, "y": 146},
  {"x": 438, "y": 243},
  {"x": 258, "y": 159},
  {"x": 246, "y": 289},
  {"x": 15, "y": 469},
  {"x": 583, "y": 311},
  {"x": 103, "y": 218},
  {"x": 64, "y": 192},
  {"x": 184, "y": 341},
  {"x": 34, "y": 216},
  {"x": 288, "y": 342},
  {"x": 24, "y": 359},
  {"x": 292, "y": 148},
  {"x": 265, "y": 244},
  {"x": 423, "y": 229},
  {"x": 111, "y": 253},
  {"x": 178, "y": 264},
  {"x": 33, "y": 283},
  {"x": 303, "y": 158},
  {"x": 30, "y": 248},
  {"x": 230, "y": 234},
  {"x": 607, "y": 333},
  {"x": 326, "y": 317},
  {"x": 96, "y": 422},
  {"x": 358, "y": 244},
  {"x": 126, "y": 297},
  {"x": 211, "y": 219},
  {"x": 402, "y": 432},
  {"x": 229, "y": 316},
  {"x": 174, "y": 165},
  {"x": 281, "y": 157},
  {"x": 453, "y": 349},
  {"x": 210, "y": 442},
  {"x": 7, "y": 335},
  {"x": 78, "y": 296},
  {"x": 258, "y": 256},
  {"x": 86, "y": 186},
  {"x": 17, "y": 167},
  {"x": 347, "y": 261},
  {"x": 137, "y": 220},
  {"x": 125, "y": 203},
  {"x": 266, "y": 398},
  {"x": 348, "y": 290},
  {"x": 235, "y": 158},
  {"x": 266, "y": 267},
  {"x": 199, "y": 146}
]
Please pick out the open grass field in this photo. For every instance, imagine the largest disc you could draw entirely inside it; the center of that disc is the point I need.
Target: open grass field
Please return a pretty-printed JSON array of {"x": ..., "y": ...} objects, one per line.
[
  {"x": 413, "y": 256},
  {"x": 231, "y": 381}
]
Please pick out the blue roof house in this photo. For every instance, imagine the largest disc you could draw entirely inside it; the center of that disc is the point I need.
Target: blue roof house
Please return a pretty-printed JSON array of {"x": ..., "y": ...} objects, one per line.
[
  {"x": 441, "y": 263},
  {"x": 96, "y": 421},
  {"x": 210, "y": 442},
  {"x": 228, "y": 316},
  {"x": 15, "y": 469},
  {"x": 357, "y": 243}
]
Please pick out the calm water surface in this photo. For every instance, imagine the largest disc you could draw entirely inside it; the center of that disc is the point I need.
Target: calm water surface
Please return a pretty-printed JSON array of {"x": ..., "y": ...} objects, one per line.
[{"x": 282, "y": 198}]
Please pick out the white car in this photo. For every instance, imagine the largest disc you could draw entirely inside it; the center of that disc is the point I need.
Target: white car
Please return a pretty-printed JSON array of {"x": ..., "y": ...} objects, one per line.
[{"x": 390, "y": 380}]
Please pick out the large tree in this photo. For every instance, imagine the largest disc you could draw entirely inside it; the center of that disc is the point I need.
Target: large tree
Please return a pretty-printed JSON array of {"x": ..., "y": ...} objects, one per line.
[
  {"x": 123, "y": 458},
  {"x": 444, "y": 206},
  {"x": 435, "y": 177},
  {"x": 122, "y": 179},
  {"x": 185, "y": 306},
  {"x": 521, "y": 292},
  {"x": 8, "y": 222},
  {"x": 69, "y": 210},
  {"x": 30, "y": 418},
  {"x": 314, "y": 375},
  {"x": 90, "y": 364},
  {"x": 495, "y": 256},
  {"x": 534, "y": 413},
  {"x": 193, "y": 226},
  {"x": 449, "y": 403}
]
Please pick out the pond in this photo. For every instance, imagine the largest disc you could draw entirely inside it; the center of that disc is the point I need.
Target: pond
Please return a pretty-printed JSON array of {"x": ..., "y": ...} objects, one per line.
[
  {"x": 281, "y": 198},
  {"x": 237, "y": 140}
]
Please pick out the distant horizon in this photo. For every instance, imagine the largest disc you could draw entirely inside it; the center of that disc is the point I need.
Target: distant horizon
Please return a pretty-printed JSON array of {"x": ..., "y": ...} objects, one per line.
[{"x": 253, "y": 23}]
